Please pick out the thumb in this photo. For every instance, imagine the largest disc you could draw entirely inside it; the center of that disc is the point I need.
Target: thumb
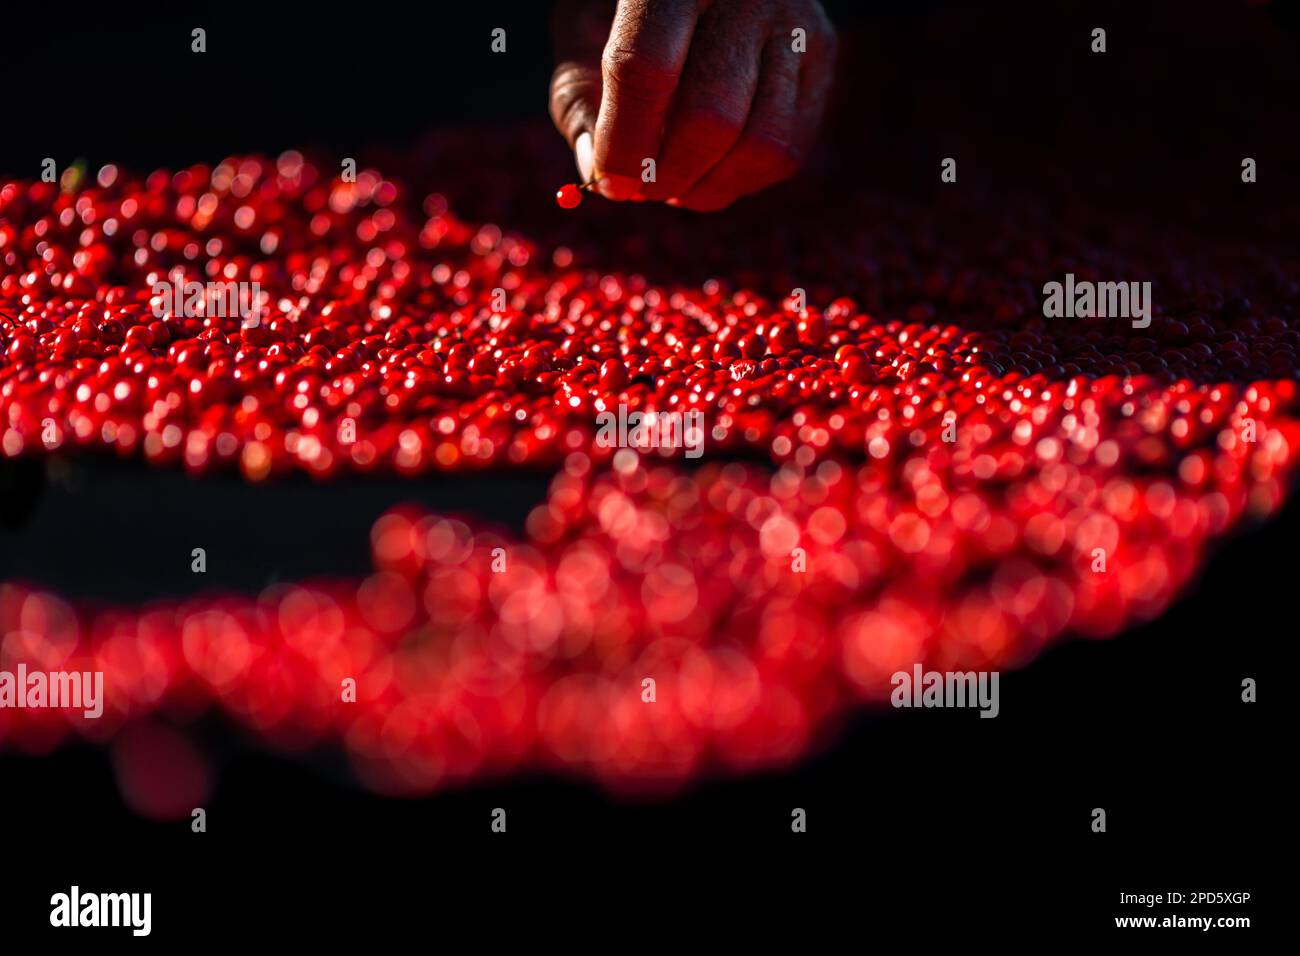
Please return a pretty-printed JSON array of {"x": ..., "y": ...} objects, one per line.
[
  {"x": 580, "y": 30},
  {"x": 575, "y": 101}
]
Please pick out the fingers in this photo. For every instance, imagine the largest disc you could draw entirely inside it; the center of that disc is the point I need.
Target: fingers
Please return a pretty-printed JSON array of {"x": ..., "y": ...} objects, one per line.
[
  {"x": 713, "y": 99},
  {"x": 640, "y": 69},
  {"x": 580, "y": 29},
  {"x": 781, "y": 127},
  {"x": 765, "y": 152},
  {"x": 715, "y": 93},
  {"x": 575, "y": 99}
]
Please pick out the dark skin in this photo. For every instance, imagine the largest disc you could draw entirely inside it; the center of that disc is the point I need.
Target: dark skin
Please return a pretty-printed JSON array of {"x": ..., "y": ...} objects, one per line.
[{"x": 712, "y": 90}]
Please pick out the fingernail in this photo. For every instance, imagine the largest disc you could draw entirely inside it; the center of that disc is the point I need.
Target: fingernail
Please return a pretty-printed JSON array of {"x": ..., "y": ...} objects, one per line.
[
  {"x": 582, "y": 152},
  {"x": 618, "y": 187}
]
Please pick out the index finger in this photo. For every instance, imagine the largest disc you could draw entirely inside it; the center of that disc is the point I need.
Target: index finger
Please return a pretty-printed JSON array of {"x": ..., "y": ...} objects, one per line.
[{"x": 640, "y": 67}]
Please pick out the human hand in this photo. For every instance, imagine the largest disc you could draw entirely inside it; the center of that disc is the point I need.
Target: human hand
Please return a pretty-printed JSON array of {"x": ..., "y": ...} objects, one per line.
[{"x": 715, "y": 92}]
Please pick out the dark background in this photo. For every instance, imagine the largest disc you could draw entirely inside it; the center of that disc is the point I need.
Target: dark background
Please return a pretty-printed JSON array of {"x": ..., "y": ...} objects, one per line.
[{"x": 923, "y": 820}]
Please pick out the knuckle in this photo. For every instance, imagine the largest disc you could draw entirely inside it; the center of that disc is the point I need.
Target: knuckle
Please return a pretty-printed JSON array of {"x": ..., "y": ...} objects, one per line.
[
  {"x": 569, "y": 76},
  {"x": 638, "y": 73},
  {"x": 571, "y": 89}
]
